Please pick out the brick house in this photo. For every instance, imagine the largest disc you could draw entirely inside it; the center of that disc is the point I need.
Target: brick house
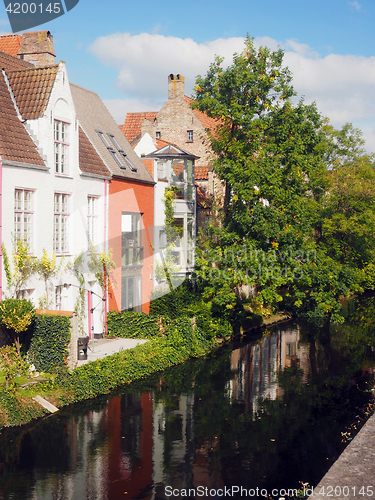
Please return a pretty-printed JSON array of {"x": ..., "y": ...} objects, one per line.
[{"x": 179, "y": 124}]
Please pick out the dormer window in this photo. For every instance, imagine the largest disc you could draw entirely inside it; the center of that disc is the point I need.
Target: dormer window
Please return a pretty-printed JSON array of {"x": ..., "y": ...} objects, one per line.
[
  {"x": 190, "y": 136},
  {"x": 61, "y": 138}
]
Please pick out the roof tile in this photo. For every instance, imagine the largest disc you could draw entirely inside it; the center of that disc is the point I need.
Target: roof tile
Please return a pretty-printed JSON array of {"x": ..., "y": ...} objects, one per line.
[
  {"x": 10, "y": 63},
  {"x": 133, "y": 123},
  {"x": 15, "y": 142},
  {"x": 207, "y": 122},
  {"x": 32, "y": 89},
  {"x": 10, "y": 44},
  {"x": 89, "y": 160}
]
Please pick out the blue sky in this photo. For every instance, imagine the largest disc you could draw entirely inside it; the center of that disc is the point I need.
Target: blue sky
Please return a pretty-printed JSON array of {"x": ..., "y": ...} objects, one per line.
[{"x": 125, "y": 50}]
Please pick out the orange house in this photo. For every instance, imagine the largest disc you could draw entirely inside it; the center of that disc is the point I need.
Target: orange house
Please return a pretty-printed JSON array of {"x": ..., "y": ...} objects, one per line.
[{"x": 129, "y": 204}]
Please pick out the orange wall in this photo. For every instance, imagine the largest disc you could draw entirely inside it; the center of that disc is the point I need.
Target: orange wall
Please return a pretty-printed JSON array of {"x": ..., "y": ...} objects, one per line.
[{"x": 130, "y": 196}]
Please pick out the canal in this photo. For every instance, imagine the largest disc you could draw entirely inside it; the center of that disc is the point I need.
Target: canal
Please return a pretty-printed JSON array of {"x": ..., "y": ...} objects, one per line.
[{"x": 267, "y": 412}]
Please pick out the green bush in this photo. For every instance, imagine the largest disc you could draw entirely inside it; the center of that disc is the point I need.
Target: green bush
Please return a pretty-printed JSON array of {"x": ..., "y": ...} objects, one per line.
[
  {"x": 16, "y": 316},
  {"x": 50, "y": 337},
  {"x": 99, "y": 377},
  {"x": 130, "y": 324}
]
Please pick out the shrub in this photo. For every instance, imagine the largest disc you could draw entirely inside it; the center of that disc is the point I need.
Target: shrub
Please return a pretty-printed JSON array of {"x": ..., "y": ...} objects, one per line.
[
  {"x": 11, "y": 365},
  {"x": 50, "y": 337},
  {"x": 16, "y": 315},
  {"x": 130, "y": 324}
]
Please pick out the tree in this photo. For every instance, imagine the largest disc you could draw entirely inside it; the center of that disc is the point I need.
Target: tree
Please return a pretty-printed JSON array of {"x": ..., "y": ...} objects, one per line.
[
  {"x": 23, "y": 267},
  {"x": 47, "y": 269},
  {"x": 275, "y": 158}
]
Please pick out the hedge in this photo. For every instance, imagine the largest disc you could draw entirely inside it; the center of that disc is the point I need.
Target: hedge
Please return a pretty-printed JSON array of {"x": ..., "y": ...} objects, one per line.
[
  {"x": 179, "y": 343},
  {"x": 49, "y": 341},
  {"x": 130, "y": 324}
]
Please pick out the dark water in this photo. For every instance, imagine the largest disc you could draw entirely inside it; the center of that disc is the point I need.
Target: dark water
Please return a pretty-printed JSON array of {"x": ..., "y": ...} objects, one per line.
[{"x": 262, "y": 414}]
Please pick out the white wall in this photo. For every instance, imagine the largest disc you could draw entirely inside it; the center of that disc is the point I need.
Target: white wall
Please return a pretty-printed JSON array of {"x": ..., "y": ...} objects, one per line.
[{"x": 44, "y": 183}]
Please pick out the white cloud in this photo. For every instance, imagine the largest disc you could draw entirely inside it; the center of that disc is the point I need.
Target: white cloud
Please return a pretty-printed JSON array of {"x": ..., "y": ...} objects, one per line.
[
  {"x": 119, "y": 107},
  {"x": 343, "y": 86},
  {"x": 356, "y": 5}
]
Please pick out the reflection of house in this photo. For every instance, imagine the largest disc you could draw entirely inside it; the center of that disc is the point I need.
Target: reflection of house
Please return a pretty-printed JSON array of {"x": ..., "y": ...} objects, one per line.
[{"x": 255, "y": 367}]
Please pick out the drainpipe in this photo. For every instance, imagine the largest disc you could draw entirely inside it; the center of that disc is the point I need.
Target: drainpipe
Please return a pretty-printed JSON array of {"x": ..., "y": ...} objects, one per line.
[
  {"x": 106, "y": 251},
  {"x": 1, "y": 230}
]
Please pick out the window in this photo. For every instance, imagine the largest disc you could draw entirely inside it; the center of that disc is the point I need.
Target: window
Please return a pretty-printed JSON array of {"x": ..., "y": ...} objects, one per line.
[
  {"x": 132, "y": 248},
  {"x": 61, "y": 138},
  {"x": 190, "y": 136},
  {"x": 60, "y": 225},
  {"x": 23, "y": 215},
  {"x": 162, "y": 169},
  {"x": 131, "y": 296},
  {"x": 118, "y": 154},
  {"x": 58, "y": 297},
  {"x": 158, "y": 134},
  {"x": 92, "y": 219}
]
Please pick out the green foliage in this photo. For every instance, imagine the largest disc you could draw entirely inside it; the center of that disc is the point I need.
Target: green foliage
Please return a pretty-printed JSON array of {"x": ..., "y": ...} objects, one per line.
[
  {"x": 22, "y": 267},
  {"x": 11, "y": 365},
  {"x": 369, "y": 277},
  {"x": 50, "y": 336},
  {"x": 102, "y": 265},
  {"x": 348, "y": 215},
  {"x": 47, "y": 269},
  {"x": 79, "y": 308},
  {"x": 101, "y": 376},
  {"x": 132, "y": 324},
  {"x": 165, "y": 270},
  {"x": 298, "y": 219},
  {"x": 16, "y": 315}
]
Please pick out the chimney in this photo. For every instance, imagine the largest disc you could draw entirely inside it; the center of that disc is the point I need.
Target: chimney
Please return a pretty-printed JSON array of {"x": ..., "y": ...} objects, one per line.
[
  {"x": 37, "y": 47},
  {"x": 176, "y": 86}
]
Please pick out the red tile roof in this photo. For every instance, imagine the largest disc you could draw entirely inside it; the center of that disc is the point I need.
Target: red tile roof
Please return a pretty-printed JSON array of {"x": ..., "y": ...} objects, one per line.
[
  {"x": 89, "y": 160},
  {"x": 32, "y": 89},
  {"x": 10, "y": 63},
  {"x": 133, "y": 123},
  {"x": 15, "y": 143},
  {"x": 201, "y": 173},
  {"x": 10, "y": 44},
  {"x": 207, "y": 122},
  {"x": 203, "y": 199}
]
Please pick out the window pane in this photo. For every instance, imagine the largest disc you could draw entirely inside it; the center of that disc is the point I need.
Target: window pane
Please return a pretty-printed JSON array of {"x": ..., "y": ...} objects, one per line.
[
  {"x": 177, "y": 171},
  {"x": 189, "y": 174}
]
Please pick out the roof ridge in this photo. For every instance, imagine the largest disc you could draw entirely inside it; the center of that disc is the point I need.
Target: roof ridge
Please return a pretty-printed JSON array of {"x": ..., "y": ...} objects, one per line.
[
  {"x": 84, "y": 88},
  {"x": 34, "y": 68}
]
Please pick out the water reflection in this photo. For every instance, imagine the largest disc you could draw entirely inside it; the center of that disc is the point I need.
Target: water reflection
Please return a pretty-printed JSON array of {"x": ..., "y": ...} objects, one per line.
[{"x": 267, "y": 413}]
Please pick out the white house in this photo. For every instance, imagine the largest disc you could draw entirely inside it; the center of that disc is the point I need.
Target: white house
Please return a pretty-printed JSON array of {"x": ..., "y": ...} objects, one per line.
[
  {"x": 172, "y": 168},
  {"x": 54, "y": 184}
]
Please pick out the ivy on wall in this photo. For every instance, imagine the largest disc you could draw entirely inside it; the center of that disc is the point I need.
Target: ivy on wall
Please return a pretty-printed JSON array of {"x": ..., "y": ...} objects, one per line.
[
  {"x": 132, "y": 324},
  {"x": 50, "y": 337}
]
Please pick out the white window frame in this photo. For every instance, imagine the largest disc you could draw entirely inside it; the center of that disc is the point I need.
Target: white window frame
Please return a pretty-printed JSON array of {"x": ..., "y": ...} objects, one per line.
[
  {"x": 24, "y": 215},
  {"x": 61, "y": 147},
  {"x": 61, "y": 223},
  {"x": 190, "y": 135}
]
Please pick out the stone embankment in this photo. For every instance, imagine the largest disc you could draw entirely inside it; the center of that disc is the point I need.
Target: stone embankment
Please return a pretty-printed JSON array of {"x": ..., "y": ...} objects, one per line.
[{"x": 352, "y": 476}]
